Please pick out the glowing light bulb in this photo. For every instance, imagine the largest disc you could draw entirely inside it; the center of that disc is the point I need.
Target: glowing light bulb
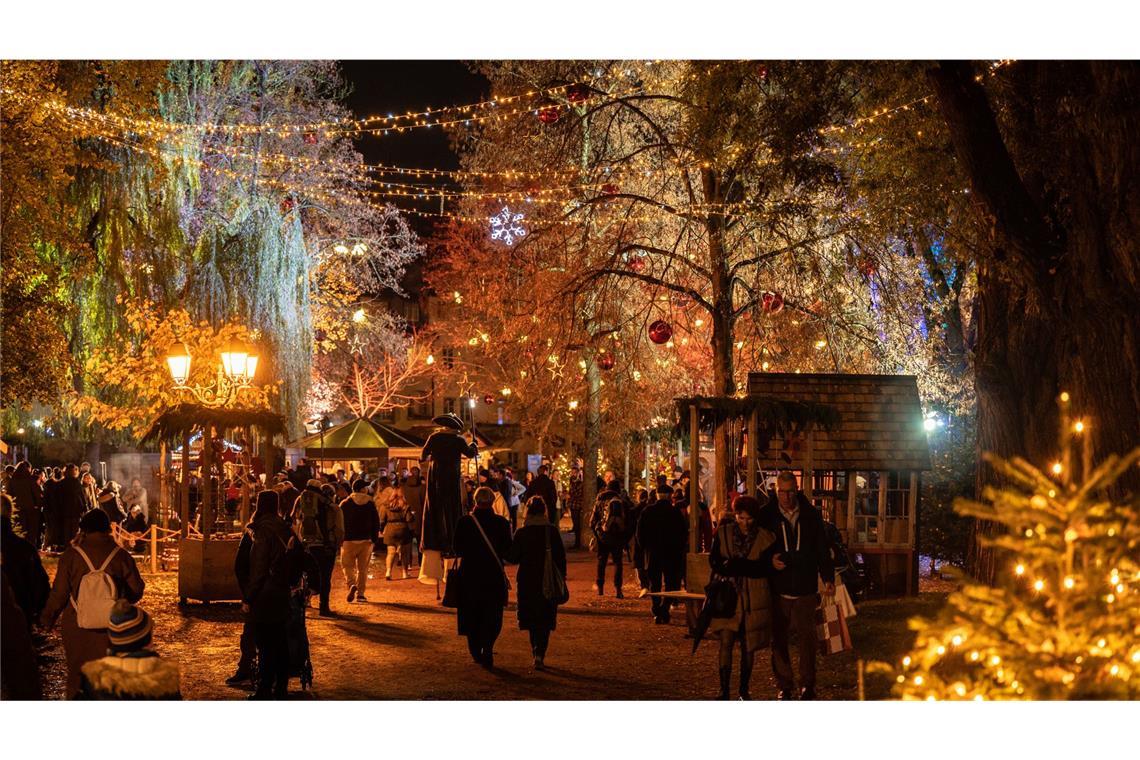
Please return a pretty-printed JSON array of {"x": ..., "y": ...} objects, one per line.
[
  {"x": 1070, "y": 535},
  {"x": 1100, "y": 643},
  {"x": 1069, "y": 583},
  {"x": 430, "y": 360},
  {"x": 740, "y": 344},
  {"x": 358, "y": 316},
  {"x": 1057, "y": 468},
  {"x": 1065, "y": 397},
  {"x": 1114, "y": 669},
  {"x": 573, "y": 405},
  {"x": 764, "y": 366},
  {"x": 699, "y": 323},
  {"x": 341, "y": 248},
  {"x": 505, "y": 391},
  {"x": 918, "y": 680},
  {"x": 820, "y": 344},
  {"x": 1019, "y": 570},
  {"x": 906, "y": 661},
  {"x": 975, "y": 656},
  {"x": 1038, "y": 585},
  {"x": 957, "y": 640},
  {"x": 960, "y": 690},
  {"x": 1079, "y": 427},
  {"x": 941, "y": 650}
]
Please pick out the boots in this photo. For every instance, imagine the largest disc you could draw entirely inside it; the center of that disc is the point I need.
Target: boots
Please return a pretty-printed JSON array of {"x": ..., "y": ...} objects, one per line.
[
  {"x": 745, "y": 677},
  {"x": 725, "y": 677}
]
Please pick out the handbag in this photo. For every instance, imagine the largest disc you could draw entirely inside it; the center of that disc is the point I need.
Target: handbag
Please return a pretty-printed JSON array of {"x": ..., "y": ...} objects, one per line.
[
  {"x": 452, "y": 586},
  {"x": 554, "y": 586},
  {"x": 720, "y": 598},
  {"x": 495, "y": 554},
  {"x": 830, "y": 627}
]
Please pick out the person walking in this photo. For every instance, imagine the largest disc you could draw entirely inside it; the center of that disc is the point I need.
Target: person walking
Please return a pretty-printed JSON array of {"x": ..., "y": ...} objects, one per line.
[
  {"x": 27, "y": 512},
  {"x": 90, "y": 491},
  {"x": 72, "y": 504},
  {"x": 482, "y": 538},
  {"x": 398, "y": 523},
  {"x": 52, "y": 519},
  {"x": 663, "y": 534},
  {"x": 796, "y": 562},
  {"x": 751, "y": 624},
  {"x": 22, "y": 567},
  {"x": 574, "y": 502},
  {"x": 93, "y": 551},
  {"x": 608, "y": 525},
  {"x": 265, "y": 595},
  {"x": 361, "y": 526},
  {"x": 136, "y": 496},
  {"x": 543, "y": 486},
  {"x": 316, "y": 518},
  {"x": 537, "y": 550}
]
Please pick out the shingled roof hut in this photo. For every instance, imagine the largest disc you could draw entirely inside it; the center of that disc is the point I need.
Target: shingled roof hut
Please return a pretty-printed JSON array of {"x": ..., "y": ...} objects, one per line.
[{"x": 865, "y": 471}]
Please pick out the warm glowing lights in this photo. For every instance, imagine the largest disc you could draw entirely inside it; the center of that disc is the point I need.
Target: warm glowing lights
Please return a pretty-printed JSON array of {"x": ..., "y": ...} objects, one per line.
[
  {"x": 1038, "y": 585},
  {"x": 573, "y": 405},
  {"x": 1057, "y": 468},
  {"x": 906, "y": 661},
  {"x": 1079, "y": 426},
  {"x": 1064, "y": 397},
  {"x": 178, "y": 360},
  {"x": 430, "y": 360},
  {"x": 820, "y": 344},
  {"x": 919, "y": 680},
  {"x": 1069, "y": 582},
  {"x": 506, "y": 226},
  {"x": 1071, "y": 535},
  {"x": 505, "y": 391},
  {"x": 1020, "y": 569},
  {"x": 957, "y": 640},
  {"x": 358, "y": 316}
]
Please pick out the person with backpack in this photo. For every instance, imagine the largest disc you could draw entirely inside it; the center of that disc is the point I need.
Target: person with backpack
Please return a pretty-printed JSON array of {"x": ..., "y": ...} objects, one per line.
[
  {"x": 537, "y": 550},
  {"x": 482, "y": 538},
  {"x": 608, "y": 525},
  {"x": 397, "y": 521},
  {"x": 361, "y": 526},
  {"x": 93, "y": 573},
  {"x": 269, "y": 574},
  {"x": 131, "y": 669},
  {"x": 321, "y": 526}
]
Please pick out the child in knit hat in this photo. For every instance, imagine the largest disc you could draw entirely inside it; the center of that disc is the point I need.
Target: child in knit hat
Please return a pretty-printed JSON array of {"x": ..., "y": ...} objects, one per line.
[{"x": 131, "y": 670}]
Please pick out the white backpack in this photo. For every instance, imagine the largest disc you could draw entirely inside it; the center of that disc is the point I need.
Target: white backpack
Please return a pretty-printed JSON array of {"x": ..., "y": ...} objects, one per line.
[{"x": 97, "y": 594}]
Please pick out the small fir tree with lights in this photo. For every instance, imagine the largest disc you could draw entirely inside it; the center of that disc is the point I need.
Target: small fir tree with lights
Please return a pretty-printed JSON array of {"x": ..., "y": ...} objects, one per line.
[{"x": 1063, "y": 618}]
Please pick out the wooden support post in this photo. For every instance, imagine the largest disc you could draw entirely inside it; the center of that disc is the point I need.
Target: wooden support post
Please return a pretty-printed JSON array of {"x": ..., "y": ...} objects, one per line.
[
  {"x": 185, "y": 526},
  {"x": 694, "y": 475},
  {"x": 753, "y": 434},
  {"x": 163, "y": 505},
  {"x": 154, "y": 548},
  {"x": 809, "y": 464},
  {"x": 205, "y": 484}
]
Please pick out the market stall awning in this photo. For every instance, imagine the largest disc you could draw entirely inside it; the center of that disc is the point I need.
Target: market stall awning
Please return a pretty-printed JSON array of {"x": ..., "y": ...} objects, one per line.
[{"x": 356, "y": 439}]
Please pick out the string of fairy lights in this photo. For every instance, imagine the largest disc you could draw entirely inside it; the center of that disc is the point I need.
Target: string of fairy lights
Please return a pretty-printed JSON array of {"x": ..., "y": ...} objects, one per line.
[{"x": 389, "y": 183}]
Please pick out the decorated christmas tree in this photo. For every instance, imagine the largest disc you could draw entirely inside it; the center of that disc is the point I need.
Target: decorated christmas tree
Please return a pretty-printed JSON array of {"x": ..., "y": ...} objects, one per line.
[{"x": 1062, "y": 620}]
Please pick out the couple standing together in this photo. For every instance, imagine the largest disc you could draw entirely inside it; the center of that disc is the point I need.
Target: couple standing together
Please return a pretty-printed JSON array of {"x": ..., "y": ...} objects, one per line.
[{"x": 775, "y": 556}]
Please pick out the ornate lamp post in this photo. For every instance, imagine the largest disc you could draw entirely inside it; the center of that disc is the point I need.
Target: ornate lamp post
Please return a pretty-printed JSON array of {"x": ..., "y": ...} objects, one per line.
[{"x": 235, "y": 373}]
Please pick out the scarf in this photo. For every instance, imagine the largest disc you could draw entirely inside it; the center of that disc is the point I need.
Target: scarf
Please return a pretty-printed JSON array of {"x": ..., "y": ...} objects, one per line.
[{"x": 741, "y": 547}]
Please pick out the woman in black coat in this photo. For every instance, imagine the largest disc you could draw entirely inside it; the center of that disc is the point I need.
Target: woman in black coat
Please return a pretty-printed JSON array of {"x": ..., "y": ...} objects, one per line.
[
  {"x": 265, "y": 594},
  {"x": 483, "y": 592},
  {"x": 536, "y": 543}
]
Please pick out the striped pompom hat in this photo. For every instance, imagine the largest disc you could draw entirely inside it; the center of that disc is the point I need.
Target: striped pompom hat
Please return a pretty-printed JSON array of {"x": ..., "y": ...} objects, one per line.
[{"x": 130, "y": 627}]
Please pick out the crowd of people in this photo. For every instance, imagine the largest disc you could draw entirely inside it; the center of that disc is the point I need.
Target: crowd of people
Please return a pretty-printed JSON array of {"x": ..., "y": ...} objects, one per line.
[{"x": 772, "y": 555}]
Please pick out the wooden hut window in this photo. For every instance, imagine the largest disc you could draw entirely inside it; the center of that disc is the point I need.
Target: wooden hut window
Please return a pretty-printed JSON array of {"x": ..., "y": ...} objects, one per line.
[
  {"x": 867, "y": 507},
  {"x": 829, "y": 493},
  {"x": 895, "y": 508}
]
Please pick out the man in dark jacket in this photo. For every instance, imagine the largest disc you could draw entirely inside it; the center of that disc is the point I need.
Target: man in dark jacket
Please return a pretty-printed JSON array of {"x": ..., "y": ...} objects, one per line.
[
  {"x": 53, "y": 523},
  {"x": 663, "y": 534},
  {"x": 801, "y": 557},
  {"x": 27, "y": 516},
  {"x": 320, "y": 525},
  {"x": 543, "y": 486},
  {"x": 72, "y": 503},
  {"x": 361, "y": 527}
]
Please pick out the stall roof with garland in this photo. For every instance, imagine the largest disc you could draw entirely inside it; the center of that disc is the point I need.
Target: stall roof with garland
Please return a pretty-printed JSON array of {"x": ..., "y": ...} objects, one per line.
[{"x": 880, "y": 421}]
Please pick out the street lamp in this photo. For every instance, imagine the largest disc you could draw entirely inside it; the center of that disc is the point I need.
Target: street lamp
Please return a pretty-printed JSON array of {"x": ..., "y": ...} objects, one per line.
[{"x": 239, "y": 364}]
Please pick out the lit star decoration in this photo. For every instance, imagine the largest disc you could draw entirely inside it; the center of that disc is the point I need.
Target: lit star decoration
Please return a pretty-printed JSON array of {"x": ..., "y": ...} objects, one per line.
[
  {"x": 505, "y": 226},
  {"x": 356, "y": 345}
]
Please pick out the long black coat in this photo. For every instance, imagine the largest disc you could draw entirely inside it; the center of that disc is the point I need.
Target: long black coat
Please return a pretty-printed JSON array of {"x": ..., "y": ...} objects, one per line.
[
  {"x": 483, "y": 576},
  {"x": 28, "y": 498},
  {"x": 663, "y": 533},
  {"x": 528, "y": 551},
  {"x": 72, "y": 505},
  {"x": 444, "y": 504},
  {"x": 24, "y": 571}
]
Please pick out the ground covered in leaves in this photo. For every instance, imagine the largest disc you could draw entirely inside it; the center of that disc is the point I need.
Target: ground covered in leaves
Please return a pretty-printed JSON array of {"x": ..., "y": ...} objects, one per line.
[{"x": 402, "y": 644}]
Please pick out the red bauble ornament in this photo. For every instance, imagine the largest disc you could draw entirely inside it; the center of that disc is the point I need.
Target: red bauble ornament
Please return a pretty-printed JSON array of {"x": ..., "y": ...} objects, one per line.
[
  {"x": 610, "y": 189},
  {"x": 577, "y": 93},
  {"x": 286, "y": 205},
  {"x": 606, "y": 361},
  {"x": 637, "y": 264},
  {"x": 310, "y": 138},
  {"x": 660, "y": 332},
  {"x": 548, "y": 114},
  {"x": 868, "y": 267},
  {"x": 488, "y": 399},
  {"x": 772, "y": 303}
]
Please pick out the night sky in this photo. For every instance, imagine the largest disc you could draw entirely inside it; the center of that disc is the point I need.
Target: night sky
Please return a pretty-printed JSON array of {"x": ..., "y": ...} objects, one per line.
[{"x": 381, "y": 87}]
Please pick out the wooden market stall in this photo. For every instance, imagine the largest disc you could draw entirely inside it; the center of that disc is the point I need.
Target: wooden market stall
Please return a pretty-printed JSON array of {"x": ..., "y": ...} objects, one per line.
[
  {"x": 864, "y": 471},
  {"x": 206, "y": 560}
]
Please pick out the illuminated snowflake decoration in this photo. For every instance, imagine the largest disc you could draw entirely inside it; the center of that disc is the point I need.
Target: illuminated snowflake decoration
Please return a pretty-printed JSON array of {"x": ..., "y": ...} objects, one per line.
[{"x": 505, "y": 226}]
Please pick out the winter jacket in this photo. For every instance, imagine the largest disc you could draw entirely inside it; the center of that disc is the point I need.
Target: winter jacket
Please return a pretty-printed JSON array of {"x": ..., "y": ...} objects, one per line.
[
  {"x": 483, "y": 584},
  {"x": 609, "y": 528},
  {"x": 663, "y": 534},
  {"x": 24, "y": 571},
  {"x": 109, "y": 503},
  {"x": 528, "y": 551},
  {"x": 803, "y": 547},
  {"x": 753, "y": 595},
  {"x": 27, "y": 512},
  {"x": 318, "y": 520},
  {"x": 139, "y": 675},
  {"x": 361, "y": 523},
  {"x": 414, "y": 491},
  {"x": 398, "y": 523},
  {"x": 266, "y": 592}
]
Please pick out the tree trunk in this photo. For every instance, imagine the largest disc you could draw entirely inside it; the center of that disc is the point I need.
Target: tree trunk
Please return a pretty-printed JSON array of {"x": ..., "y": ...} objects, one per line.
[
  {"x": 1059, "y": 289},
  {"x": 593, "y": 438}
]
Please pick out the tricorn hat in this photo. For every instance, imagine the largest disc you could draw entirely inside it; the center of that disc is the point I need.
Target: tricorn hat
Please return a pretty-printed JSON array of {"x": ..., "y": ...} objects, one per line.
[{"x": 448, "y": 420}]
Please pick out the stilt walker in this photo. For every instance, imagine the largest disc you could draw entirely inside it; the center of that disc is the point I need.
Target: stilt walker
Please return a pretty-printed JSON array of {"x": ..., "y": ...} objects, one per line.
[{"x": 443, "y": 454}]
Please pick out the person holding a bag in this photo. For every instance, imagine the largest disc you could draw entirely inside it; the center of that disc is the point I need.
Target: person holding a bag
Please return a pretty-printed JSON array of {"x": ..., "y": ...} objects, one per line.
[
  {"x": 538, "y": 551},
  {"x": 93, "y": 573},
  {"x": 482, "y": 538},
  {"x": 397, "y": 521},
  {"x": 751, "y": 621}
]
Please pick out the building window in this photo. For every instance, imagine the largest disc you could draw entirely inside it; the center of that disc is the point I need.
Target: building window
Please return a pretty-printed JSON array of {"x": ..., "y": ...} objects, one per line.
[
  {"x": 866, "y": 508},
  {"x": 420, "y": 409},
  {"x": 448, "y": 358},
  {"x": 449, "y": 406},
  {"x": 388, "y": 415}
]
